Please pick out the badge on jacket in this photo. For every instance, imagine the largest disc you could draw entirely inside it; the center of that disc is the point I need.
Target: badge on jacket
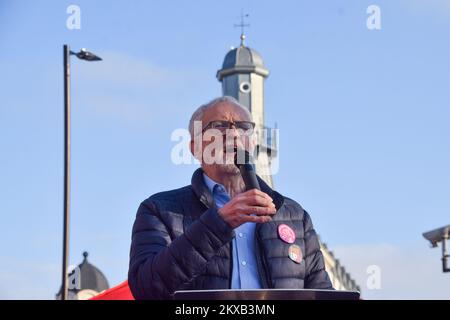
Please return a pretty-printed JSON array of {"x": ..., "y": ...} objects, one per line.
[
  {"x": 286, "y": 233},
  {"x": 295, "y": 253}
]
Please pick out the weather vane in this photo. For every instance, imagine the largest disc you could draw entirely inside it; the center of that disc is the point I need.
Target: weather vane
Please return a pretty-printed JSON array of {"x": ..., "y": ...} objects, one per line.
[{"x": 242, "y": 25}]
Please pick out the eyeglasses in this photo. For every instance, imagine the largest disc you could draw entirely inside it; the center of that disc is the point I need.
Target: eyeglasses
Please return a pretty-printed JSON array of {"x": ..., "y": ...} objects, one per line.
[{"x": 223, "y": 125}]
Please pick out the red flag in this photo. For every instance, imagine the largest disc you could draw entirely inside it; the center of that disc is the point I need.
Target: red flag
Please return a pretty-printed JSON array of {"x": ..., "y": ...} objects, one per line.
[{"x": 119, "y": 292}]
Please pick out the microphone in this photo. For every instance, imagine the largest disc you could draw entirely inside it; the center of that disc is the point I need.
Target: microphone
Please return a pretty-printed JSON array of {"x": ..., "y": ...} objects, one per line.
[{"x": 244, "y": 161}]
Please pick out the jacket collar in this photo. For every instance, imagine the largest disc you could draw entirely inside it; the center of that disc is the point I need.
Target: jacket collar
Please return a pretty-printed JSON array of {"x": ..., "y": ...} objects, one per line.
[
  {"x": 201, "y": 190},
  {"x": 205, "y": 196}
]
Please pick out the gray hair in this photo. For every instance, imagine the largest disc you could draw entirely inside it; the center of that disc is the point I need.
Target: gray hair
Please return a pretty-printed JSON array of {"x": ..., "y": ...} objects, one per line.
[{"x": 198, "y": 114}]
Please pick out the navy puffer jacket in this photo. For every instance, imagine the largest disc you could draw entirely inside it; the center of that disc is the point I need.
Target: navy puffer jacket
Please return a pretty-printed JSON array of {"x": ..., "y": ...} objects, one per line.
[{"x": 179, "y": 242}]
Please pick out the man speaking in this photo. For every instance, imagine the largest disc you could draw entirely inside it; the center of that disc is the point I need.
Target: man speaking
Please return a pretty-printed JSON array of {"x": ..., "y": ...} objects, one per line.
[{"x": 213, "y": 234}]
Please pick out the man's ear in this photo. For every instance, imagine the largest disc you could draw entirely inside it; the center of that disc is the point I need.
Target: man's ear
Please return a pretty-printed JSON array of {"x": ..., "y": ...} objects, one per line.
[
  {"x": 191, "y": 147},
  {"x": 253, "y": 143},
  {"x": 196, "y": 150}
]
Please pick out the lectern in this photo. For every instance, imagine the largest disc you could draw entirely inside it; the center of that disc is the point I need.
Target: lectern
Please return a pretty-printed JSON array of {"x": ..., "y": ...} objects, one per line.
[{"x": 268, "y": 294}]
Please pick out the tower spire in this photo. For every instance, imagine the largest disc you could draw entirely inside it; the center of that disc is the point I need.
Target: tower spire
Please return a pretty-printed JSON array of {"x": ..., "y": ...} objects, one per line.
[{"x": 242, "y": 25}]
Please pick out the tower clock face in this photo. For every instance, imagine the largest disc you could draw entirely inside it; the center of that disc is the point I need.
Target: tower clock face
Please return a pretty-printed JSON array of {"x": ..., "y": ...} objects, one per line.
[{"x": 245, "y": 87}]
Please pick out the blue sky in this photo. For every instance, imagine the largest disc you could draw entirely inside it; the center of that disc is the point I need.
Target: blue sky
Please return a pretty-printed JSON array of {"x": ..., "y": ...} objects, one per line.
[{"x": 363, "y": 118}]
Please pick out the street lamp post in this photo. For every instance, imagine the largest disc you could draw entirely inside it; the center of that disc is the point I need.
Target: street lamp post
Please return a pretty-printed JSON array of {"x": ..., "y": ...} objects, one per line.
[{"x": 88, "y": 56}]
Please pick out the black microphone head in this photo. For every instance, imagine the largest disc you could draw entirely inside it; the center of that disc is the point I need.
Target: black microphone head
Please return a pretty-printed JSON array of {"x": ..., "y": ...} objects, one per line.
[
  {"x": 245, "y": 162},
  {"x": 242, "y": 156}
]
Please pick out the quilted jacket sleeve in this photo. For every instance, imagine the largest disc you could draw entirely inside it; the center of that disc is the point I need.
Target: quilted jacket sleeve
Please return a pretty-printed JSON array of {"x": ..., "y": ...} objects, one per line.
[
  {"x": 316, "y": 277},
  {"x": 159, "y": 266}
]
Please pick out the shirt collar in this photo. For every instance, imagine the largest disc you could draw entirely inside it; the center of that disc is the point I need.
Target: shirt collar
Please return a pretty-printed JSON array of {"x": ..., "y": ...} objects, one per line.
[{"x": 213, "y": 186}]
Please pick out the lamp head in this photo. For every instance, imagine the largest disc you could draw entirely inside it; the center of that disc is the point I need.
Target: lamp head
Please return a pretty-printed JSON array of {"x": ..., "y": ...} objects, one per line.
[
  {"x": 86, "y": 55},
  {"x": 437, "y": 235}
]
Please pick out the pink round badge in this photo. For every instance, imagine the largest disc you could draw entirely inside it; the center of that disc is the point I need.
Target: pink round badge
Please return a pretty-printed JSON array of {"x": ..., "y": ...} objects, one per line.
[{"x": 286, "y": 233}]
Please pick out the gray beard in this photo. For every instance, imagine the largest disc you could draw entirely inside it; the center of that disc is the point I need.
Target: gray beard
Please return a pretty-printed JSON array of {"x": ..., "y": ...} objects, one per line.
[{"x": 228, "y": 169}]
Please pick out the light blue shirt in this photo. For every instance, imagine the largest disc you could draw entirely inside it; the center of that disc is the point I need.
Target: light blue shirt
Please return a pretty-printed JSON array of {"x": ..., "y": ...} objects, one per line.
[{"x": 245, "y": 273}]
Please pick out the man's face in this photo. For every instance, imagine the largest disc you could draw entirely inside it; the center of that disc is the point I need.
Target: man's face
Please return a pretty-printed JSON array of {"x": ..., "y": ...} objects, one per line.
[{"x": 217, "y": 145}]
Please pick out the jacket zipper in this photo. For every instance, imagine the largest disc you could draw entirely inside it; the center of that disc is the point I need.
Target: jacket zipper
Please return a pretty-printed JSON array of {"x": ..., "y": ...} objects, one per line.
[{"x": 259, "y": 260}]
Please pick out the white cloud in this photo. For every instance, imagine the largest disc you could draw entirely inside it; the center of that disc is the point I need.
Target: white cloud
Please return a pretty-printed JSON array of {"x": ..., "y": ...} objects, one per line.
[
  {"x": 135, "y": 90},
  {"x": 121, "y": 69},
  {"x": 407, "y": 272},
  {"x": 23, "y": 279}
]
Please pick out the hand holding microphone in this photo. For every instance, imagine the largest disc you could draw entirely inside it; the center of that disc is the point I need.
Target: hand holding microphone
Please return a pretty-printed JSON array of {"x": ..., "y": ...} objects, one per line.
[{"x": 253, "y": 205}]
